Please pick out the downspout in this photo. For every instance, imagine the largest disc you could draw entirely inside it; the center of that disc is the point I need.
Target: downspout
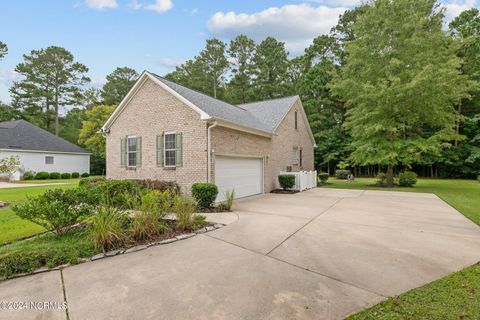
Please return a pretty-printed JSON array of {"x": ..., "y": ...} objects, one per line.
[{"x": 209, "y": 151}]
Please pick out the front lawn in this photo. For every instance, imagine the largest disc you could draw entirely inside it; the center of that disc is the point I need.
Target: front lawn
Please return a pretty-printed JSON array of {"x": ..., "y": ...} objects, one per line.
[
  {"x": 456, "y": 296},
  {"x": 12, "y": 227}
]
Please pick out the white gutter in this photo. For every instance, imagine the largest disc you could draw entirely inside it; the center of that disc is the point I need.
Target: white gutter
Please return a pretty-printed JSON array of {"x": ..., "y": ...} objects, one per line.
[{"x": 209, "y": 151}]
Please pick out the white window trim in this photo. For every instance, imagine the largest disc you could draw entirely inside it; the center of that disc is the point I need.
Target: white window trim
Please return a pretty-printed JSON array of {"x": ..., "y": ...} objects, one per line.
[
  {"x": 128, "y": 152},
  {"x": 165, "y": 149}
]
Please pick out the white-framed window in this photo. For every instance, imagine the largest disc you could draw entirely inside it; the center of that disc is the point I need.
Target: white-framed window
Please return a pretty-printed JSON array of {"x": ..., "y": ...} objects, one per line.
[
  {"x": 170, "y": 149},
  {"x": 132, "y": 149},
  {"x": 295, "y": 155},
  {"x": 49, "y": 160}
]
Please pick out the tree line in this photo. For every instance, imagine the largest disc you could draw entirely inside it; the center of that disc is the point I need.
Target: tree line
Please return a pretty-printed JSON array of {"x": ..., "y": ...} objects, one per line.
[{"x": 388, "y": 89}]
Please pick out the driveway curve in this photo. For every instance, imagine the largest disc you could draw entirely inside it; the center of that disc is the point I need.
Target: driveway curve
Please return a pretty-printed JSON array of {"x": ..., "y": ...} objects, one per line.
[{"x": 320, "y": 254}]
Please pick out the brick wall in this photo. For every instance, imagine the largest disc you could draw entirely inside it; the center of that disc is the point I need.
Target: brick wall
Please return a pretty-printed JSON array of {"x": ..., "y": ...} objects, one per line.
[{"x": 149, "y": 113}]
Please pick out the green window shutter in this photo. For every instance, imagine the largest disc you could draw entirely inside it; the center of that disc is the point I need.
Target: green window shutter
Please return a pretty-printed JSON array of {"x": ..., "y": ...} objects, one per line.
[
  {"x": 123, "y": 152},
  {"x": 160, "y": 151},
  {"x": 139, "y": 151},
  {"x": 178, "y": 152}
]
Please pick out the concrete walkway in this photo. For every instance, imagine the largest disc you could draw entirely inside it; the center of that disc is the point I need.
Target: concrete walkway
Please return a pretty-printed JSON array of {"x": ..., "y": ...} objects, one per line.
[{"x": 320, "y": 254}]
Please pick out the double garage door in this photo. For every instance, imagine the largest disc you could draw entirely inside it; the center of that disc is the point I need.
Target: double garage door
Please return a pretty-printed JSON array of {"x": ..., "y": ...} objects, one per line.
[{"x": 243, "y": 175}]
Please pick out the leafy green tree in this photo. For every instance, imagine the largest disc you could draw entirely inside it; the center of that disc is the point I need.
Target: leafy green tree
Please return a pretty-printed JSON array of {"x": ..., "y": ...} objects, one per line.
[
  {"x": 241, "y": 52},
  {"x": 51, "y": 80},
  {"x": 214, "y": 63},
  {"x": 71, "y": 124},
  {"x": 119, "y": 82},
  {"x": 271, "y": 66},
  {"x": 95, "y": 117},
  {"x": 3, "y": 50},
  {"x": 400, "y": 81},
  {"x": 191, "y": 75},
  {"x": 7, "y": 112}
]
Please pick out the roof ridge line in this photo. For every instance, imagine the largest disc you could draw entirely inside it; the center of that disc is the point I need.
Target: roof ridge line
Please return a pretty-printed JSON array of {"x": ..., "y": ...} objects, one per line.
[
  {"x": 288, "y": 97},
  {"x": 197, "y": 91}
]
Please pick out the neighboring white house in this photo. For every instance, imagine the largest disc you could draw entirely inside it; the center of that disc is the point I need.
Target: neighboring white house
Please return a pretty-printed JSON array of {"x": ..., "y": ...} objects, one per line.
[{"x": 40, "y": 150}]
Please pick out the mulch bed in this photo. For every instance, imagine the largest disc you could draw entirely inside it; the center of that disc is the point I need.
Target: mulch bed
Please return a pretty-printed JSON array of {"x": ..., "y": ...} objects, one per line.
[{"x": 281, "y": 191}]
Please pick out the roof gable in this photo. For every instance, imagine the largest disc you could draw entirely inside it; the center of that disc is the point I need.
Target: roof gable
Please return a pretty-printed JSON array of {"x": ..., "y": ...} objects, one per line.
[
  {"x": 22, "y": 135},
  {"x": 259, "y": 117}
]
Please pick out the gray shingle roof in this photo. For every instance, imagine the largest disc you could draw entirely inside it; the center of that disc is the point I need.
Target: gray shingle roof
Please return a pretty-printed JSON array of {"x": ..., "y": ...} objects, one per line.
[
  {"x": 21, "y": 134},
  {"x": 264, "y": 115}
]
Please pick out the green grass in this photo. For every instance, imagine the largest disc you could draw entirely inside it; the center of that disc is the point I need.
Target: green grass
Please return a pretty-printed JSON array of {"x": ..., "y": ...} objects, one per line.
[
  {"x": 12, "y": 227},
  {"x": 46, "y": 250},
  {"x": 457, "y": 296}
]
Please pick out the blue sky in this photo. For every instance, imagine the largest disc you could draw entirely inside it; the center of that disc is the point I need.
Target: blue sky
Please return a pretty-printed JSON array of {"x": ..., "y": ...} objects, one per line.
[{"x": 158, "y": 34}]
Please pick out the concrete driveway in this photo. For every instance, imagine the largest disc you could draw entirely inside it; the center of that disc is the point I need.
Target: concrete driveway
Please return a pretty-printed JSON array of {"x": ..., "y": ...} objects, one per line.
[{"x": 320, "y": 254}]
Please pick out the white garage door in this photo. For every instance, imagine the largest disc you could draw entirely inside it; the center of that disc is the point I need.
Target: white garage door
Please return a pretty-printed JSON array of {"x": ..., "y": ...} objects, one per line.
[{"x": 243, "y": 175}]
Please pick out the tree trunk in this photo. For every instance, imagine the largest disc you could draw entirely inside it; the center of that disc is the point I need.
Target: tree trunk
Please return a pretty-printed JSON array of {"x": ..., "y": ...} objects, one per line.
[
  {"x": 390, "y": 176},
  {"x": 457, "y": 124}
]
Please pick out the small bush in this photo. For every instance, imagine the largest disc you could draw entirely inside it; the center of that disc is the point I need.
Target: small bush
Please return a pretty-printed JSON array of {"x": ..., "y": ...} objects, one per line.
[
  {"x": 287, "y": 181},
  {"x": 381, "y": 178},
  {"x": 56, "y": 209},
  {"x": 407, "y": 179},
  {"x": 28, "y": 175},
  {"x": 147, "y": 221},
  {"x": 93, "y": 180},
  {"x": 54, "y": 175},
  {"x": 106, "y": 228},
  {"x": 184, "y": 209},
  {"x": 85, "y": 175},
  {"x": 478, "y": 178},
  {"x": 342, "y": 174},
  {"x": 115, "y": 193},
  {"x": 75, "y": 175},
  {"x": 323, "y": 177},
  {"x": 42, "y": 175},
  {"x": 159, "y": 185},
  {"x": 66, "y": 175},
  {"x": 228, "y": 203},
  {"x": 205, "y": 194}
]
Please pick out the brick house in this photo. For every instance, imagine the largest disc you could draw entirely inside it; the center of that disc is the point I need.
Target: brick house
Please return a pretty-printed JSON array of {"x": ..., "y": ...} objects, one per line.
[{"x": 162, "y": 130}]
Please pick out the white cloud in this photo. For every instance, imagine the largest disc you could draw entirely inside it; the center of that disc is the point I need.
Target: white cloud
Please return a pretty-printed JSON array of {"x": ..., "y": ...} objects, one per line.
[
  {"x": 7, "y": 77},
  {"x": 135, "y": 5},
  {"x": 170, "y": 63},
  {"x": 160, "y": 6},
  {"x": 297, "y": 25},
  {"x": 346, "y": 3},
  {"x": 454, "y": 8},
  {"x": 101, "y": 4}
]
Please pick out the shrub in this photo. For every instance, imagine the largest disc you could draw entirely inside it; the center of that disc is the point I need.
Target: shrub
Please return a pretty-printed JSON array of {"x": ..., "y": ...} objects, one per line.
[
  {"x": 184, "y": 209},
  {"x": 478, "y": 178},
  {"x": 204, "y": 194},
  {"x": 42, "y": 175},
  {"x": 56, "y": 209},
  {"x": 28, "y": 175},
  {"x": 93, "y": 180},
  {"x": 106, "y": 228},
  {"x": 85, "y": 175},
  {"x": 287, "y": 181},
  {"x": 381, "y": 178},
  {"x": 159, "y": 185},
  {"x": 54, "y": 175},
  {"x": 75, "y": 175},
  {"x": 228, "y": 203},
  {"x": 115, "y": 193},
  {"x": 323, "y": 177},
  {"x": 407, "y": 179},
  {"x": 66, "y": 175},
  {"x": 342, "y": 174},
  {"x": 147, "y": 221}
]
